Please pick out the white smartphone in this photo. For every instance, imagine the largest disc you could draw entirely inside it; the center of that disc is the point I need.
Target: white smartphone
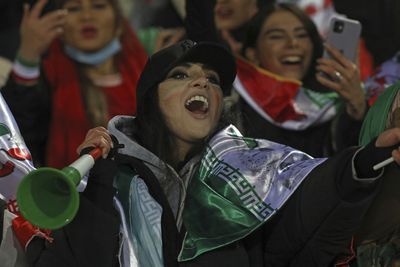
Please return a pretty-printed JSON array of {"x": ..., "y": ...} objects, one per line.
[{"x": 344, "y": 35}]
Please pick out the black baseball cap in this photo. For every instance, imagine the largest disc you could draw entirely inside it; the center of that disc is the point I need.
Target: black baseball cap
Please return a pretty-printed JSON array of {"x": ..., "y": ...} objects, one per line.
[{"x": 159, "y": 64}]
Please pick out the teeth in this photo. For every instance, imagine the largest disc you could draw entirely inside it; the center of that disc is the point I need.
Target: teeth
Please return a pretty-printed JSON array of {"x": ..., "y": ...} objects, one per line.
[
  {"x": 198, "y": 98},
  {"x": 292, "y": 59}
]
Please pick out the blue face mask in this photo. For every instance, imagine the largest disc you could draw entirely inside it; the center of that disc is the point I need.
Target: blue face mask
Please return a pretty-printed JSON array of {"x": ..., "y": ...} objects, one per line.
[{"x": 94, "y": 58}]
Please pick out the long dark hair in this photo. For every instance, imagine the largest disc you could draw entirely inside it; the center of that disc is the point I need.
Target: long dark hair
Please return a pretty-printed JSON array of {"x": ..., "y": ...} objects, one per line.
[{"x": 256, "y": 23}]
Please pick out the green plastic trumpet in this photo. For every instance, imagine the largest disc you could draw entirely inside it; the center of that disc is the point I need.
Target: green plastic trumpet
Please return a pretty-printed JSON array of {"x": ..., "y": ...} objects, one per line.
[{"x": 48, "y": 197}]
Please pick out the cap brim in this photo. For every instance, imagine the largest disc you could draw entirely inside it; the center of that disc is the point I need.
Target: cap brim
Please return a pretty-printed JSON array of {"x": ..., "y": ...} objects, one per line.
[{"x": 216, "y": 57}]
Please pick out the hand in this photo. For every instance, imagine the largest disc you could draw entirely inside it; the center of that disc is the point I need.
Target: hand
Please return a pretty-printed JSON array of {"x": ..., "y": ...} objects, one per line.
[
  {"x": 389, "y": 138},
  {"x": 97, "y": 137},
  {"x": 236, "y": 47},
  {"x": 345, "y": 81},
  {"x": 168, "y": 37},
  {"x": 37, "y": 32}
]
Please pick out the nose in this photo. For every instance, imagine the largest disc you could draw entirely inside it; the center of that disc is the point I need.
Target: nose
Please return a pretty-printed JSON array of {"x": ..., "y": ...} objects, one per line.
[
  {"x": 200, "y": 82},
  {"x": 86, "y": 13},
  {"x": 292, "y": 41}
]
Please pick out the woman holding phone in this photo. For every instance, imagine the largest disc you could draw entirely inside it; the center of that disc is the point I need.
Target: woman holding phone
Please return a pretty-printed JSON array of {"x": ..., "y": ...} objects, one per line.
[
  {"x": 292, "y": 95},
  {"x": 281, "y": 74}
]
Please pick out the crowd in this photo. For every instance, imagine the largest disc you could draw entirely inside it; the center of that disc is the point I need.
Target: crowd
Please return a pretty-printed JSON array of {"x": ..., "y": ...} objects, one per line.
[{"x": 228, "y": 138}]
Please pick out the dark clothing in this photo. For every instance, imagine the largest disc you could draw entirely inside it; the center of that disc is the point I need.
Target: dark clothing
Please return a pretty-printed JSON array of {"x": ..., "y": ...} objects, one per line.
[
  {"x": 312, "y": 229},
  {"x": 318, "y": 141}
]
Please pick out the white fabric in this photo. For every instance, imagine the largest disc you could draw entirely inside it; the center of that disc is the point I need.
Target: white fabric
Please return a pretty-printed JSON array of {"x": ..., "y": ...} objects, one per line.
[{"x": 11, "y": 252}]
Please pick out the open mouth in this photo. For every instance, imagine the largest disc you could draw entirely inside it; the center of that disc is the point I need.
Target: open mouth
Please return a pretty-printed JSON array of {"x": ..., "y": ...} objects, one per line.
[
  {"x": 89, "y": 32},
  {"x": 197, "y": 104},
  {"x": 292, "y": 60},
  {"x": 224, "y": 12}
]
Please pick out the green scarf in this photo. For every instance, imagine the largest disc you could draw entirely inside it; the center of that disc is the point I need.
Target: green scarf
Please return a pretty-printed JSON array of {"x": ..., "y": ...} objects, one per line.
[{"x": 375, "y": 120}]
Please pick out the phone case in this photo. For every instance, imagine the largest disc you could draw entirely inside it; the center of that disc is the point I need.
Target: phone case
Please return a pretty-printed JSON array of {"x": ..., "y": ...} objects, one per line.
[{"x": 344, "y": 35}]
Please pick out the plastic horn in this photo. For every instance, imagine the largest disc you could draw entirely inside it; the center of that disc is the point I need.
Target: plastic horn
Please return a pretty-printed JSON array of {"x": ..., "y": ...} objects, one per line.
[{"x": 48, "y": 197}]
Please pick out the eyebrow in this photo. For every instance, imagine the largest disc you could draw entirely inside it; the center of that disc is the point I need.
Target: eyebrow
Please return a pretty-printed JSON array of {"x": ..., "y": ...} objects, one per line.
[{"x": 273, "y": 30}]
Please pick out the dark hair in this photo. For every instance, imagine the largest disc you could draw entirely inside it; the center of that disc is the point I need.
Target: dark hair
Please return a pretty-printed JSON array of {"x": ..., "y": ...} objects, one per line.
[
  {"x": 152, "y": 130},
  {"x": 256, "y": 23},
  {"x": 153, "y": 133},
  {"x": 114, "y": 3}
]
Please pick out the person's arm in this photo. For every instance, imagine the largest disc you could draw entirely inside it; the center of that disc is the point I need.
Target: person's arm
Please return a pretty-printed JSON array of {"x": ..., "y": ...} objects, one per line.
[{"x": 199, "y": 21}]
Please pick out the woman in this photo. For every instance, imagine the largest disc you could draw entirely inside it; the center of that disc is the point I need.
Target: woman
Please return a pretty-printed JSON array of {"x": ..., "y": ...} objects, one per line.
[
  {"x": 178, "y": 176},
  {"x": 289, "y": 94},
  {"x": 88, "y": 73}
]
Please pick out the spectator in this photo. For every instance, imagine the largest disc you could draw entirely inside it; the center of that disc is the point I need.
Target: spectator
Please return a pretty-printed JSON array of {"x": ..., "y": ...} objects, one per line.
[{"x": 88, "y": 74}]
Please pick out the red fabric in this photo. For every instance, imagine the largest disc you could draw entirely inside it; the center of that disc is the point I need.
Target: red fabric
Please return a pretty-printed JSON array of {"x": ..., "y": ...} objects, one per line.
[
  {"x": 69, "y": 123},
  {"x": 271, "y": 93},
  {"x": 20, "y": 79},
  {"x": 24, "y": 231}
]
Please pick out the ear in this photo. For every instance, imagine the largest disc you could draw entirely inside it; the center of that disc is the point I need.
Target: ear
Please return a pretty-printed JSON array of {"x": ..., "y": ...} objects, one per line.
[{"x": 251, "y": 55}]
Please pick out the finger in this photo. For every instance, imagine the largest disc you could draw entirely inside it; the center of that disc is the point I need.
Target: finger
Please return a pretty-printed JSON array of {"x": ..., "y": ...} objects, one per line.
[
  {"x": 343, "y": 65},
  {"x": 25, "y": 14},
  {"x": 338, "y": 56},
  {"x": 97, "y": 142},
  {"x": 233, "y": 44},
  {"x": 332, "y": 66},
  {"x": 396, "y": 156},
  {"x": 37, "y": 8},
  {"x": 334, "y": 75},
  {"x": 54, "y": 17},
  {"x": 388, "y": 138},
  {"x": 328, "y": 82},
  {"x": 97, "y": 137},
  {"x": 54, "y": 33}
]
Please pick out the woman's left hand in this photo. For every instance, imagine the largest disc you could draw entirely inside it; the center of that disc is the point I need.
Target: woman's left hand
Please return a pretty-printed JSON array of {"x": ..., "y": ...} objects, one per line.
[{"x": 344, "y": 79}]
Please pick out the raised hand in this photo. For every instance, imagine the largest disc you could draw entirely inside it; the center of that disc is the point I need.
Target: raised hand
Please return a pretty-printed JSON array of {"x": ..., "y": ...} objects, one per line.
[
  {"x": 37, "y": 32},
  {"x": 97, "y": 137},
  {"x": 236, "y": 47},
  {"x": 345, "y": 80}
]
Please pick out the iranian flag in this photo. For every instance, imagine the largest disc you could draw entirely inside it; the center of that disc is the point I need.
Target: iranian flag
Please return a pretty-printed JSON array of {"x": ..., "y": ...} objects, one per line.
[
  {"x": 15, "y": 159},
  {"x": 281, "y": 101}
]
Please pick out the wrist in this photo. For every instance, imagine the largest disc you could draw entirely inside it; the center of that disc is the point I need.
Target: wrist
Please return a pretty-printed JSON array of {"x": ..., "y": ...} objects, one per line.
[
  {"x": 356, "y": 111},
  {"x": 25, "y": 71},
  {"x": 28, "y": 57}
]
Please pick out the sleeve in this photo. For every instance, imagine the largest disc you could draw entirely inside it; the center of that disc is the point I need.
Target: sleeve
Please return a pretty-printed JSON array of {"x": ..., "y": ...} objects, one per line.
[
  {"x": 199, "y": 21},
  {"x": 317, "y": 223},
  {"x": 92, "y": 237},
  {"x": 345, "y": 131}
]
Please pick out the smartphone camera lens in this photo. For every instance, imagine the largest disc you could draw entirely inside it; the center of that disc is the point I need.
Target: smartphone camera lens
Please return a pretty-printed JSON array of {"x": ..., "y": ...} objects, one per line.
[{"x": 338, "y": 26}]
